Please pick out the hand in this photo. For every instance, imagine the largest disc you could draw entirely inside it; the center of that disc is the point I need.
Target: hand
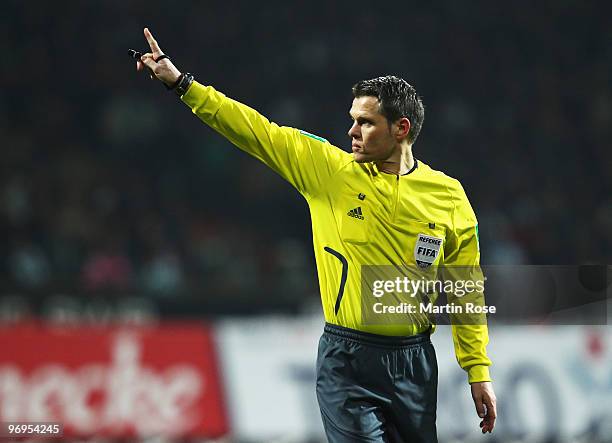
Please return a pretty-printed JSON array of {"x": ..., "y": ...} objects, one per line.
[
  {"x": 486, "y": 404},
  {"x": 164, "y": 70}
]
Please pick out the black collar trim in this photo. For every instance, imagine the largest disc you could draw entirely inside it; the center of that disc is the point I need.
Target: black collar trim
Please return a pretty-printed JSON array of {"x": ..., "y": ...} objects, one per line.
[{"x": 416, "y": 165}]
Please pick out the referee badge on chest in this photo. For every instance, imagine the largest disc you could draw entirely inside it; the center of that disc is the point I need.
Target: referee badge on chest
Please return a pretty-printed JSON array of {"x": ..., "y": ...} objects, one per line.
[{"x": 426, "y": 250}]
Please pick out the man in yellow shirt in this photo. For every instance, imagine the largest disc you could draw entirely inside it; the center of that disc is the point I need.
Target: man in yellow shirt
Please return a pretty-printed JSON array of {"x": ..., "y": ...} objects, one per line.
[{"x": 377, "y": 207}]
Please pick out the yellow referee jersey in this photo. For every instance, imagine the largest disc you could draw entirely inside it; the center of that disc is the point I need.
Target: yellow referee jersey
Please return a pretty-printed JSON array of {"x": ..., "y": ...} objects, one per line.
[{"x": 361, "y": 216}]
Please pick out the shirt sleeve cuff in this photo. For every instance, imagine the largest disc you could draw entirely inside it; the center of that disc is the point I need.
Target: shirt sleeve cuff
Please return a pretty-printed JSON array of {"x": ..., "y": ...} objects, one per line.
[
  {"x": 204, "y": 101},
  {"x": 478, "y": 373},
  {"x": 194, "y": 94}
]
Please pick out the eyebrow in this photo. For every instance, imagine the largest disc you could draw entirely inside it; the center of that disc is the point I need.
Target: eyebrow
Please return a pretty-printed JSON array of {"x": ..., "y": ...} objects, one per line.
[{"x": 361, "y": 118}]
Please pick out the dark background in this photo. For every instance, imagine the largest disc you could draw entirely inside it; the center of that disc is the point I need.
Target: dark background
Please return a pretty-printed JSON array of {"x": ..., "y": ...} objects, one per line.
[{"x": 110, "y": 189}]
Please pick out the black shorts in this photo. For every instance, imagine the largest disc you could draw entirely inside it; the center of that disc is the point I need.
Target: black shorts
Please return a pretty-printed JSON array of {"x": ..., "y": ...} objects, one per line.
[{"x": 374, "y": 388}]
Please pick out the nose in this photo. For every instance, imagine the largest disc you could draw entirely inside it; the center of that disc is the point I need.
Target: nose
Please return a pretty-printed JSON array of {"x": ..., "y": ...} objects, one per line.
[{"x": 354, "y": 131}]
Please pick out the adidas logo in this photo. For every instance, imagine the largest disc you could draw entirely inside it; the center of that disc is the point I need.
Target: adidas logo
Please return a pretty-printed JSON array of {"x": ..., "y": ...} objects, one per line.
[{"x": 356, "y": 213}]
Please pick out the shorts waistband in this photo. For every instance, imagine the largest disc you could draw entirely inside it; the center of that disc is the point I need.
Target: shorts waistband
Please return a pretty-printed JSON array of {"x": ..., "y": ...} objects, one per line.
[{"x": 377, "y": 339}]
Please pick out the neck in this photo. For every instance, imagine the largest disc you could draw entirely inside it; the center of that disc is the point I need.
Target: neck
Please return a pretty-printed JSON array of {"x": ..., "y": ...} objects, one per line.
[{"x": 400, "y": 162}]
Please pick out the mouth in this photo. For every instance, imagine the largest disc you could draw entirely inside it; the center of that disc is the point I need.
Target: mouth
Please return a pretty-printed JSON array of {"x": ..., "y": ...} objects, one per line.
[{"x": 356, "y": 148}]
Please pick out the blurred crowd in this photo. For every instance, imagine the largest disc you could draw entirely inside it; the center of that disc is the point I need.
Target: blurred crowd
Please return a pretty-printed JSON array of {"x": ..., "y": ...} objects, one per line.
[{"x": 108, "y": 183}]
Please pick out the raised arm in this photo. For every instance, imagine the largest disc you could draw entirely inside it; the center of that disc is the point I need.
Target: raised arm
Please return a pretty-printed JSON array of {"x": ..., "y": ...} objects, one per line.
[{"x": 304, "y": 160}]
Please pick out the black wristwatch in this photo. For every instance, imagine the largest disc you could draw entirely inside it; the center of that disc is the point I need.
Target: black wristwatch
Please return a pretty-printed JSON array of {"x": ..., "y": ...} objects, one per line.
[{"x": 182, "y": 84}]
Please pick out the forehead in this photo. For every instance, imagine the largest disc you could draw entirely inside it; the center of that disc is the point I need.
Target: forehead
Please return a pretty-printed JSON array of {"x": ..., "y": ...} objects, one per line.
[{"x": 365, "y": 105}]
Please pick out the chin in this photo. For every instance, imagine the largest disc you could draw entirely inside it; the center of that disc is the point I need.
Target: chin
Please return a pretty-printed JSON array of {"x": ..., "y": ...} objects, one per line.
[{"x": 360, "y": 158}]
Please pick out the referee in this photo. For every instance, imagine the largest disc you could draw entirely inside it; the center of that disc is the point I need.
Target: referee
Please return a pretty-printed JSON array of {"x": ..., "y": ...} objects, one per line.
[{"x": 376, "y": 381}]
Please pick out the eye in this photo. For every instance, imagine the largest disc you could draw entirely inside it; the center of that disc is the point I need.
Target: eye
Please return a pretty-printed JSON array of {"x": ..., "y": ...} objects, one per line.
[{"x": 361, "y": 121}]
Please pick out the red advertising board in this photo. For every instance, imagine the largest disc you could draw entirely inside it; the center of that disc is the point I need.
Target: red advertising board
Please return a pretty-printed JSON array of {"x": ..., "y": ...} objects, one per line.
[{"x": 113, "y": 381}]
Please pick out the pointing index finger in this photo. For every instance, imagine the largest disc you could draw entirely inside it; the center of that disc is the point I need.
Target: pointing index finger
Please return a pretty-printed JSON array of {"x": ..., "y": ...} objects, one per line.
[{"x": 151, "y": 40}]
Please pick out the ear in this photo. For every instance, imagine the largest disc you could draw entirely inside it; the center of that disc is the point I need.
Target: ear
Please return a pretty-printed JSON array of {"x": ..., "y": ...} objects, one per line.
[{"x": 403, "y": 128}]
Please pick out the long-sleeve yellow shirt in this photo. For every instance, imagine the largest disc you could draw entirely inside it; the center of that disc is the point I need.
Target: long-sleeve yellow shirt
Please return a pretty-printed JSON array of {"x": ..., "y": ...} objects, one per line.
[{"x": 361, "y": 217}]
